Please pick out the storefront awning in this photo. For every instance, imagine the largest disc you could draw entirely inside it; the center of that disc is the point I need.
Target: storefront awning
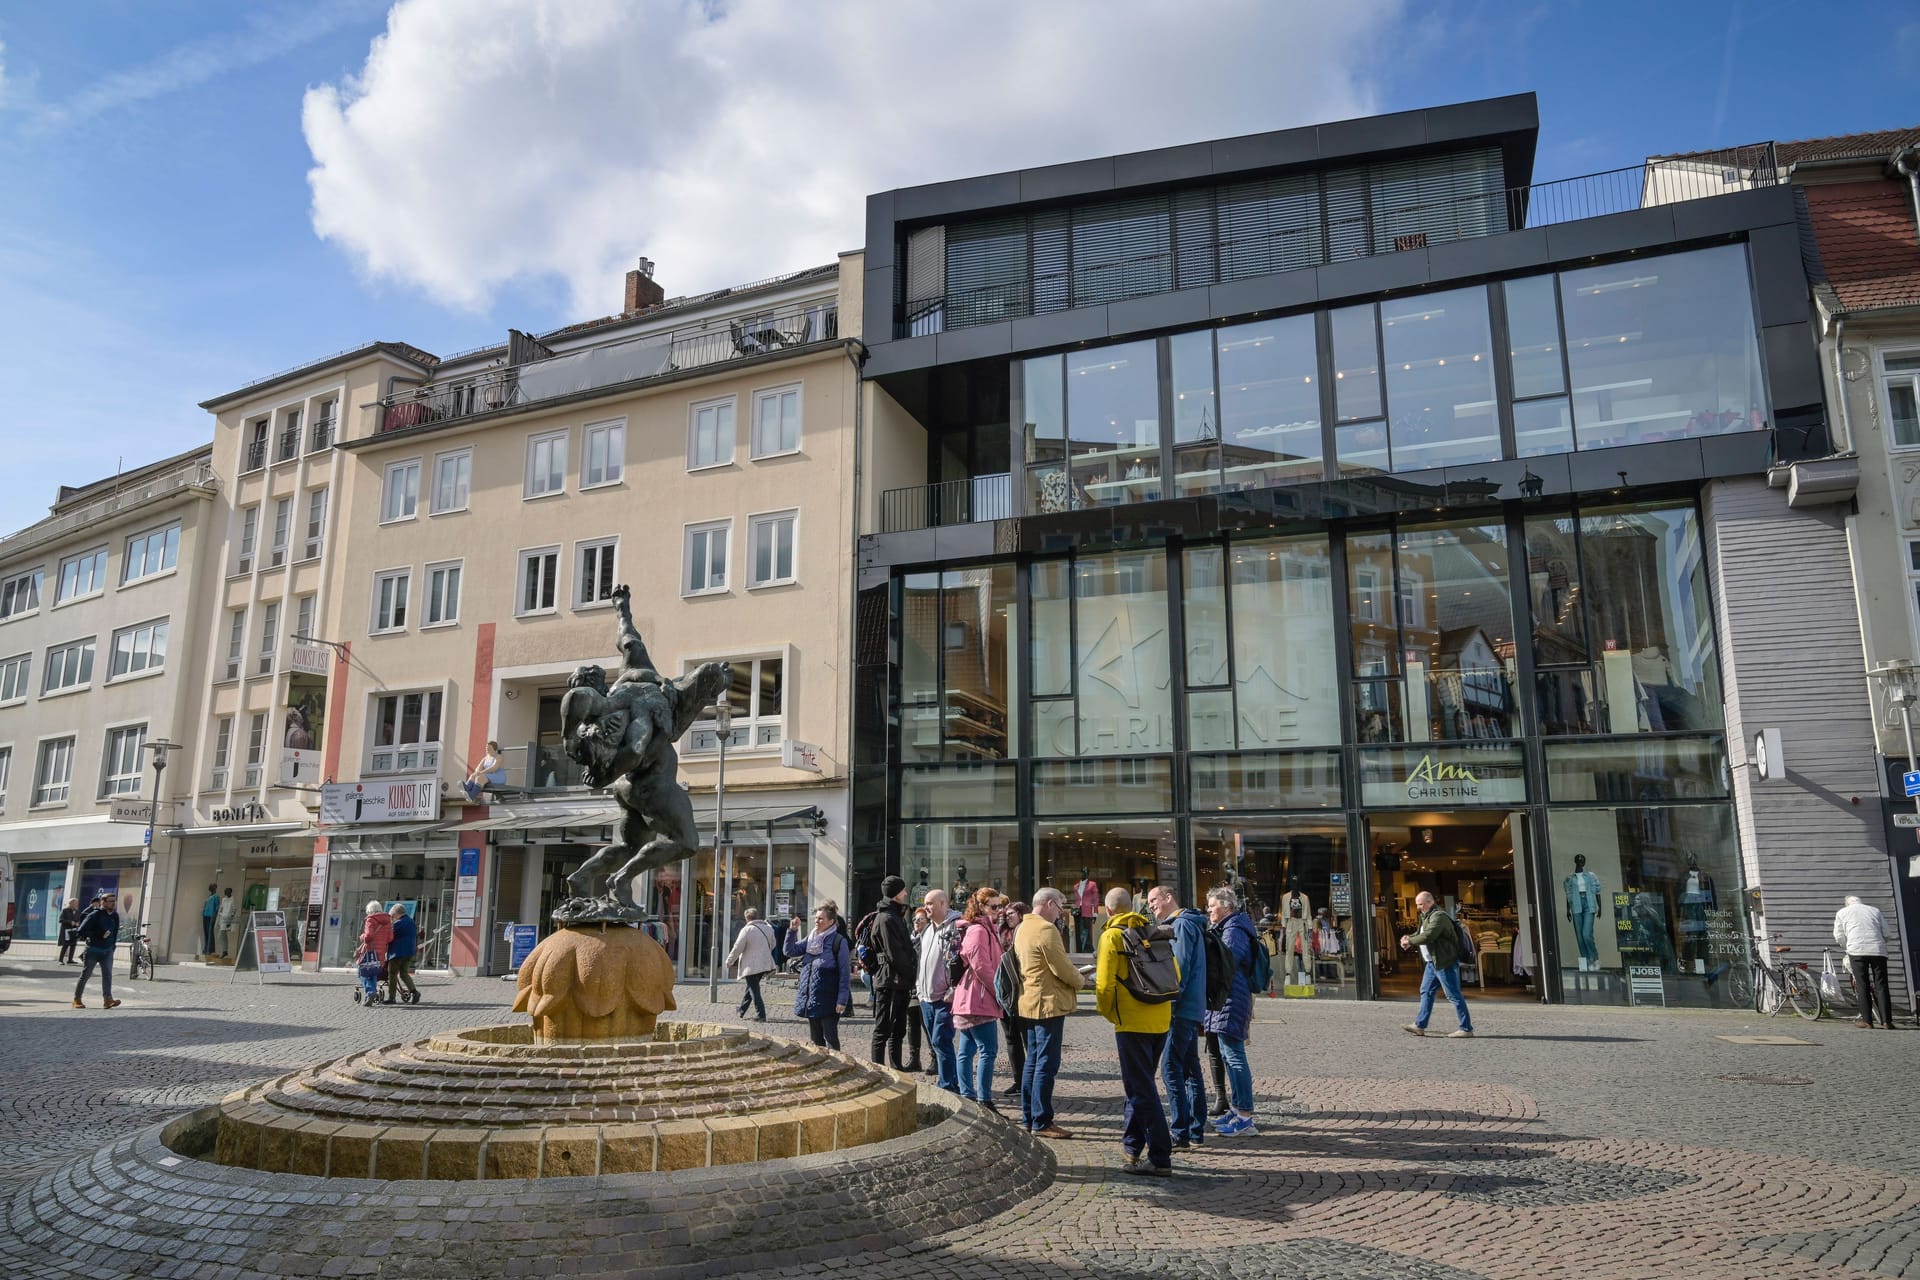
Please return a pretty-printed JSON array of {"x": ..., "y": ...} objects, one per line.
[
  {"x": 741, "y": 820},
  {"x": 384, "y": 829},
  {"x": 248, "y": 831},
  {"x": 555, "y": 820}
]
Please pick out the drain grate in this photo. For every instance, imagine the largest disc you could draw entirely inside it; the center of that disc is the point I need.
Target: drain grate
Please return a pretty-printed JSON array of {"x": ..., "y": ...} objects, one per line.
[{"x": 1754, "y": 1077}]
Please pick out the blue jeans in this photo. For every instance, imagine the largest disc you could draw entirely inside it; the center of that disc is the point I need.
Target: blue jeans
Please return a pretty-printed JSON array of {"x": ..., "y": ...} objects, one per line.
[
  {"x": 1239, "y": 1073},
  {"x": 1583, "y": 937},
  {"x": 979, "y": 1046},
  {"x": 1186, "y": 1090},
  {"x": 937, "y": 1021},
  {"x": 1044, "y": 1036},
  {"x": 1447, "y": 980},
  {"x": 1146, "y": 1130}
]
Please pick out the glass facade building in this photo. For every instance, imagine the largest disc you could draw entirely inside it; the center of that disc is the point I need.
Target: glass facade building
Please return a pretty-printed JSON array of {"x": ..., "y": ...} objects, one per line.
[{"x": 1360, "y": 565}]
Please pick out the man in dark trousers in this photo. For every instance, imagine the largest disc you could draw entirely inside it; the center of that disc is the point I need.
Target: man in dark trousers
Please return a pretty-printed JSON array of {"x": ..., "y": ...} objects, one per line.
[
  {"x": 69, "y": 920},
  {"x": 891, "y": 946},
  {"x": 99, "y": 933}
]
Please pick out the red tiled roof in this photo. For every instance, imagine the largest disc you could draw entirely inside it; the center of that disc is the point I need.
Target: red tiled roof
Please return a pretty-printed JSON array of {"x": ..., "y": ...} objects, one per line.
[
  {"x": 1868, "y": 244},
  {"x": 1846, "y": 146}
]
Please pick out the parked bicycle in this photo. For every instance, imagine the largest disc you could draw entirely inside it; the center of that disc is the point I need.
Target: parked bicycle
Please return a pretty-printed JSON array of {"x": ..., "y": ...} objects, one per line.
[
  {"x": 1773, "y": 985},
  {"x": 139, "y": 950}
]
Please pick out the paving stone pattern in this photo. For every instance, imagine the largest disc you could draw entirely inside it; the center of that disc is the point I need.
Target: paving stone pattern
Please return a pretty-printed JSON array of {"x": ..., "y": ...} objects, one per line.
[{"x": 1562, "y": 1142}]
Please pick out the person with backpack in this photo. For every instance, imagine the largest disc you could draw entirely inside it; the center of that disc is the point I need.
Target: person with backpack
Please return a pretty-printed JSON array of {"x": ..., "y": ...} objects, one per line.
[
  {"x": 1438, "y": 938},
  {"x": 1136, "y": 982},
  {"x": 976, "y": 1012},
  {"x": 937, "y": 945},
  {"x": 889, "y": 952},
  {"x": 99, "y": 933},
  {"x": 1049, "y": 991},
  {"x": 1231, "y": 1022},
  {"x": 1186, "y": 1091},
  {"x": 753, "y": 953},
  {"x": 1013, "y": 1027}
]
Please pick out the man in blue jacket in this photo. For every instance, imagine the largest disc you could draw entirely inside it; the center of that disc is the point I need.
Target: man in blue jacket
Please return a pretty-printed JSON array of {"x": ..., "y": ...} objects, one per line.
[
  {"x": 99, "y": 932},
  {"x": 1180, "y": 1069},
  {"x": 406, "y": 934}
]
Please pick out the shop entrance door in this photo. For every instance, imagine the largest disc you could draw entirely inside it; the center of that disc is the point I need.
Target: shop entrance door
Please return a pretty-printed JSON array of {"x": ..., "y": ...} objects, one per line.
[{"x": 1476, "y": 863}]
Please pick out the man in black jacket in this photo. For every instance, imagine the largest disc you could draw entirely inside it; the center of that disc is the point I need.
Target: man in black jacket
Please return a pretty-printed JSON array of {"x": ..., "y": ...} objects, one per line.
[
  {"x": 891, "y": 957},
  {"x": 99, "y": 932}
]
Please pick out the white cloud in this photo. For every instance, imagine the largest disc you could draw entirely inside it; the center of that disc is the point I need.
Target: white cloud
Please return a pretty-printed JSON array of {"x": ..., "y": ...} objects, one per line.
[{"x": 494, "y": 141}]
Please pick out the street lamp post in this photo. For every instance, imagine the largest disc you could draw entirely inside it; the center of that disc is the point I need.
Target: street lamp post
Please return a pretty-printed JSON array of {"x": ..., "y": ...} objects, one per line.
[
  {"x": 1899, "y": 679},
  {"x": 159, "y": 747},
  {"x": 723, "y": 724}
]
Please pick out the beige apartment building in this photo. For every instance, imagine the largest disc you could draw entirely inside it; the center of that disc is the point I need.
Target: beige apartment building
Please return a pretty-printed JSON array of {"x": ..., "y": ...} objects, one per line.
[
  {"x": 699, "y": 450},
  {"x": 100, "y": 643},
  {"x": 259, "y": 705}
]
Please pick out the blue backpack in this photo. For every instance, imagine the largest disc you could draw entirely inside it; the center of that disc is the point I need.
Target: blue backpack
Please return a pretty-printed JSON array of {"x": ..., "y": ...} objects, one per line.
[{"x": 1261, "y": 975}]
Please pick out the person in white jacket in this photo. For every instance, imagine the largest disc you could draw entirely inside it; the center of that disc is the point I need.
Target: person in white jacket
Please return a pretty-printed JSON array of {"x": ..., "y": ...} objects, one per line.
[
  {"x": 753, "y": 952},
  {"x": 1862, "y": 930}
]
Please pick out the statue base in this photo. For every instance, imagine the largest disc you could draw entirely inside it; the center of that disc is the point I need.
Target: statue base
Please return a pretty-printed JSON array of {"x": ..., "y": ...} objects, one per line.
[
  {"x": 605, "y": 982},
  {"x": 604, "y": 909}
]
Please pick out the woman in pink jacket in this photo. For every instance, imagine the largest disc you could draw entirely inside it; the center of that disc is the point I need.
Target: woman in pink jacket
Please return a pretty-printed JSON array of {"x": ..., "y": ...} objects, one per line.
[{"x": 976, "y": 1014}]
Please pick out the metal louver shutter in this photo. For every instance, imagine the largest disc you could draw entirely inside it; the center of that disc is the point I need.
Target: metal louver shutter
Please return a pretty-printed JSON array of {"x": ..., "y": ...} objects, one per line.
[
  {"x": 926, "y": 281},
  {"x": 1439, "y": 198},
  {"x": 1121, "y": 249},
  {"x": 986, "y": 272},
  {"x": 1052, "y": 262},
  {"x": 1346, "y": 197},
  {"x": 1271, "y": 225},
  {"x": 1194, "y": 238}
]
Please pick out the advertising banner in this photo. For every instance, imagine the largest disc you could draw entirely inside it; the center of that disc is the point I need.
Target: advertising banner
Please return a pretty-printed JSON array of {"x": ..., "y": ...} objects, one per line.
[{"x": 401, "y": 799}]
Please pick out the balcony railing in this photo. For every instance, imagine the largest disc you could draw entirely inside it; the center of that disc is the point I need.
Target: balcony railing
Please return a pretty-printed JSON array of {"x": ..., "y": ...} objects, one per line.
[
  {"x": 1378, "y": 226},
  {"x": 322, "y": 435},
  {"x": 929, "y": 506},
  {"x": 256, "y": 455},
  {"x": 289, "y": 445},
  {"x": 187, "y": 476},
  {"x": 654, "y": 356}
]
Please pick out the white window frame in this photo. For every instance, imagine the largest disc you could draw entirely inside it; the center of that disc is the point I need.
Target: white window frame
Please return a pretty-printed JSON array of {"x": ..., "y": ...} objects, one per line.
[
  {"x": 147, "y": 642},
  {"x": 523, "y": 576},
  {"x": 732, "y": 432},
  {"x": 399, "y": 504},
  {"x": 556, "y": 469},
  {"x": 87, "y": 645},
  {"x": 316, "y": 537},
  {"x": 595, "y": 548},
  {"x": 269, "y": 638},
  {"x": 436, "y": 576},
  {"x": 698, "y": 530},
  {"x": 256, "y": 750},
  {"x": 461, "y": 460},
  {"x": 44, "y": 786},
  {"x": 249, "y": 539},
  {"x": 97, "y": 579},
  {"x": 305, "y": 609},
  {"x": 768, "y": 520},
  {"x": 404, "y": 756},
  {"x": 282, "y": 532},
  {"x": 750, "y": 731},
  {"x": 388, "y": 609},
  {"x": 236, "y": 642},
  {"x": 1885, "y": 383},
  {"x": 6, "y": 772},
  {"x": 222, "y": 753},
  {"x": 19, "y": 586},
  {"x": 614, "y": 469},
  {"x": 125, "y": 782},
  {"x": 774, "y": 395},
  {"x": 16, "y": 672},
  {"x": 135, "y": 567}
]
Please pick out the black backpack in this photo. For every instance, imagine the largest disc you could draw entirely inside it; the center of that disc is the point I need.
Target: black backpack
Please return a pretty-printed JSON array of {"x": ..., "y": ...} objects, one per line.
[
  {"x": 1220, "y": 969},
  {"x": 956, "y": 963},
  {"x": 863, "y": 941},
  {"x": 1152, "y": 975},
  {"x": 1007, "y": 984}
]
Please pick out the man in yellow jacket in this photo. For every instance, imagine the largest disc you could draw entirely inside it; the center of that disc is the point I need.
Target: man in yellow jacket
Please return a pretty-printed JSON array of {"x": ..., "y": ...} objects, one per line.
[{"x": 1140, "y": 1035}]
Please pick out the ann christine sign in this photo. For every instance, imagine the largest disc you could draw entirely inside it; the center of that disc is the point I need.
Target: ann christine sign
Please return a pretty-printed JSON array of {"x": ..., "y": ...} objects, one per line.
[
  {"x": 1436, "y": 780},
  {"x": 381, "y": 800}
]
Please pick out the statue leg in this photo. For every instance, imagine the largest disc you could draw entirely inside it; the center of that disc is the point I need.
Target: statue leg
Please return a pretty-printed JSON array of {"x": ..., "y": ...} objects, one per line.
[
  {"x": 633, "y": 835},
  {"x": 669, "y": 812},
  {"x": 581, "y": 881}
]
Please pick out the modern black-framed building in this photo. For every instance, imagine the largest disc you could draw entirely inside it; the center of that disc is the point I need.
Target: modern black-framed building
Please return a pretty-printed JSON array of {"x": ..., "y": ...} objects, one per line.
[{"x": 1337, "y": 513}]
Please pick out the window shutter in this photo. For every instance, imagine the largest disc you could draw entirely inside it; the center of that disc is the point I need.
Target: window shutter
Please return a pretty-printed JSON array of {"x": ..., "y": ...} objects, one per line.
[
  {"x": 926, "y": 280},
  {"x": 1267, "y": 226},
  {"x": 1346, "y": 197},
  {"x": 1052, "y": 262},
  {"x": 1194, "y": 238},
  {"x": 986, "y": 271},
  {"x": 1121, "y": 249}
]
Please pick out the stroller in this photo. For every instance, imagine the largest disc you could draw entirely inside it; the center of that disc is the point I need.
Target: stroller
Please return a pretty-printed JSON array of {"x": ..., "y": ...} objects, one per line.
[{"x": 371, "y": 972}]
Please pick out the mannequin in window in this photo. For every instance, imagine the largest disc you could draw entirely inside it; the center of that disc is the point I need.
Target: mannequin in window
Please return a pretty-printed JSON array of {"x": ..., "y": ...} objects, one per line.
[
  {"x": 961, "y": 889},
  {"x": 1296, "y": 934},
  {"x": 1583, "y": 892},
  {"x": 918, "y": 896},
  {"x": 1696, "y": 899},
  {"x": 1086, "y": 906}
]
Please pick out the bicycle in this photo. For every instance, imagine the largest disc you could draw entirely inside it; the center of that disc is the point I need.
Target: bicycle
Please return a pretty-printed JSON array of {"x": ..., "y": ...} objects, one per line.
[
  {"x": 1774, "y": 986},
  {"x": 139, "y": 952}
]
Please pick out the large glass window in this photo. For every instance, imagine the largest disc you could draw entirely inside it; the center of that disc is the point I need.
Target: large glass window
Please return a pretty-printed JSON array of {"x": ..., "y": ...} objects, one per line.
[
  {"x": 1456, "y": 625},
  {"x": 1286, "y": 687},
  {"x": 1269, "y": 402},
  {"x": 1117, "y": 697},
  {"x": 1661, "y": 348},
  {"x": 1133, "y": 854},
  {"x": 1113, "y": 424},
  {"x": 957, "y": 632},
  {"x": 1294, "y": 879},
  {"x": 1196, "y": 414},
  {"x": 960, "y": 857},
  {"x": 1360, "y": 432},
  {"x": 1647, "y": 904},
  {"x": 1130, "y": 784},
  {"x": 1439, "y": 360}
]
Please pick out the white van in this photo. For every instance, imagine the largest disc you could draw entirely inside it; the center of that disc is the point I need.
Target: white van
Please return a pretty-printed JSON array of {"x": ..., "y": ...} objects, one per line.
[{"x": 6, "y": 896}]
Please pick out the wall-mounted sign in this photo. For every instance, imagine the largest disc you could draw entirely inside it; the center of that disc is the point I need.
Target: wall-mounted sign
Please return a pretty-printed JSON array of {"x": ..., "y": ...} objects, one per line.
[
  {"x": 237, "y": 815},
  {"x": 136, "y": 811},
  {"x": 1443, "y": 776},
  {"x": 312, "y": 659},
  {"x": 380, "y": 800},
  {"x": 299, "y": 768},
  {"x": 801, "y": 755}
]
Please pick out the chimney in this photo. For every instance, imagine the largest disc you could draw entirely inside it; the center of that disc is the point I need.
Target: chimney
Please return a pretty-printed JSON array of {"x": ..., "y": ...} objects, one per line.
[{"x": 643, "y": 294}]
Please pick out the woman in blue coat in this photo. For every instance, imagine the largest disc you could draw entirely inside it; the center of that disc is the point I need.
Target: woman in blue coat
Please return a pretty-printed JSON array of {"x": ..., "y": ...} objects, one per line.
[
  {"x": 1231, "y": 1022},
  {"x": 826, "y": 975}
]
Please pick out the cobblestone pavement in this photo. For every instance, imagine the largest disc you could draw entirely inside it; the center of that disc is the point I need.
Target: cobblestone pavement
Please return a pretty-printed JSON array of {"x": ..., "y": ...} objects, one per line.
[{"x": 1560, "y": 1142}]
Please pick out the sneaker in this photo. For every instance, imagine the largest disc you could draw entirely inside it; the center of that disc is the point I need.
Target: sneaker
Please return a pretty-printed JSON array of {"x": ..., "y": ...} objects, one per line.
[
  {"x": 1150, "y": 1170},
  {"x": 1412, "y": 1030},
  {"x": 1133, "y": 1160},
  {"x": 1234, "y": 1126},
  {"x": 1459, "y": 1035},
  {"x": 79, "y": 1004}
]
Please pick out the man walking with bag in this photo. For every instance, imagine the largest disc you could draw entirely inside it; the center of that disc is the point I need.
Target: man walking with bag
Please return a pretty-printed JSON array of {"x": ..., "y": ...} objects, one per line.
[
  {"x": 1439, "y": 945},
  {"x": 99, "y": 933},
  {"x": 1139, "y": 1033},
  {"x": 753, "y": 953},
  {"x": 1862, "y": 930}
]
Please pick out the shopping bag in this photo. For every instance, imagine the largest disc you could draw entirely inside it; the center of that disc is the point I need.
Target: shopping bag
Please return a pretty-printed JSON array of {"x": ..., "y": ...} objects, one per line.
[{"x": 1832, "y": 990}]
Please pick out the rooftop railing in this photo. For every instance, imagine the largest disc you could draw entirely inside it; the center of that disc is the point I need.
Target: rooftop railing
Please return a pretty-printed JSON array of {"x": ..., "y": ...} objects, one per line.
[
  {"x": 135, "y": 494},
  {"x": 931, "y": 506},
  {"x": 636, "y": 360}
]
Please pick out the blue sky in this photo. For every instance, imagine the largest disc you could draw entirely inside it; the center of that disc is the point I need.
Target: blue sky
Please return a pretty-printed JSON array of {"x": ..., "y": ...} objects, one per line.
[{"x": 501, "y": 161}]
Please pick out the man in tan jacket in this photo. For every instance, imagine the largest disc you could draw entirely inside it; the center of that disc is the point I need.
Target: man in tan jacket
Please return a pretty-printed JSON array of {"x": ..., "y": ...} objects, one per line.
[{"x": 1049, "y": 990}]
